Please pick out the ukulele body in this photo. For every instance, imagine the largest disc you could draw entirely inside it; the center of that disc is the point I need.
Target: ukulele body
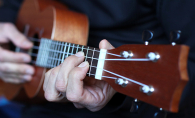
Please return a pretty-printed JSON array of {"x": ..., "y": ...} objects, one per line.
[{"x": 45, "y": 19}]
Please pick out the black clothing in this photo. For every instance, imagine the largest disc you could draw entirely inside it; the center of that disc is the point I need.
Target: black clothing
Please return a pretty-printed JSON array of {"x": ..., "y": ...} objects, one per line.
[{"x": 122, "y": 22}]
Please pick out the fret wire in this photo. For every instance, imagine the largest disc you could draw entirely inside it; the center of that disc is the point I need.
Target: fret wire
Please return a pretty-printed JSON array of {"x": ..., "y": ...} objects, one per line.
[
  {"x": 54, "y": 54},
  {"x": 82, "y": 48},
  {"x": 51, "y": 54},
  {"x": 42, "y": 51},
  {"x": 46, "y": 55},
  {"x": 60, "y": 53},
  {"x": 56, "y": 62},
  {"x": 73, "y": 48},
  {"x": 91, "y": 63},
  {"x": 77, "y": 49},
  {"x": 95, "y": 50},
  {"x": 86, "y": 53},
  {"x": 68, "y": 50},
  {"x": 48, "y": 52},
  {"x": 52, "y": 60},
  {"x": 64, "y": 53},
  {"x": 48, "y": 44}
]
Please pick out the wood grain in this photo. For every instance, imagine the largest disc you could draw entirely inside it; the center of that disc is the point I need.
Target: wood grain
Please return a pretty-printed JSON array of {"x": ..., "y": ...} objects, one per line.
[
  {"x": 52, "y": 20},
  {"x": 168, "y": 75}
]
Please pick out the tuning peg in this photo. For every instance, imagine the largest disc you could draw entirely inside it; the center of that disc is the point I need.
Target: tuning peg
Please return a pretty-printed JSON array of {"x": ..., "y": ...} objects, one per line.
[
  {"x": 147, "y": 36},
  {"x": 160, "y": 114},
  {"x": 135, "y": 106},
  {"x": 175, "y": 37}
]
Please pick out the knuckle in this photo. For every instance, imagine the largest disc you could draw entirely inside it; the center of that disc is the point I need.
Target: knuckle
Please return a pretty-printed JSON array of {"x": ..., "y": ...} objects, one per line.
[
  {"x": 70, "y": 59},
  {"x": 72, "y": 97},
  {"x": 60, "y": 86},
  {"x": 54, "y": 72},
  {"x": 47, "y": 74},
  {"x": 75, "y": 74},
  {"x": 21, "y": 69},
  {"x": 49, "y": 97}
]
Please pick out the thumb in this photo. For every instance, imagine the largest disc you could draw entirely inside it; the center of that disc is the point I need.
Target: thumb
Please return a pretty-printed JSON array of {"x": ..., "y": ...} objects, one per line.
[{"x": 104, "y": 44}]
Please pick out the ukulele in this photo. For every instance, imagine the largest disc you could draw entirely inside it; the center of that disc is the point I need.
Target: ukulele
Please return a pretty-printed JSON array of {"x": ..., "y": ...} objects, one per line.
[
  {"x": 155, "y": 74},
  {"x": 48, "y": 19}
]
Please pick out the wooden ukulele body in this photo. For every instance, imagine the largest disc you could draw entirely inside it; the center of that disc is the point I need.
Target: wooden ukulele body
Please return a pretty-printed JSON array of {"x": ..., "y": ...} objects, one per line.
[{"x": 47, "y": 19}]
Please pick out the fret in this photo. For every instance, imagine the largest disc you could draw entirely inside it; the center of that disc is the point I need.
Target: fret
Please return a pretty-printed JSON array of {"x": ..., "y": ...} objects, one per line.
[
  {"x": 39, "y": 55},
  {"x": 68, "y": 50},
  {"x": 56, "y": 54},
  {"x": 86, "y": 54},
  {"x": 64, "y": 53},
  {"x": 52, "y": 53},
  {"x": 42, "y": 53},
  {"x": 61, "y": 49},
  {"x": 91, "y": 62},
  {"x": 47, "y": 43},
  {"x": 72, "y": 49},
  {"x": 82, "y": 48},
  {"x": 77, "y": 49}
]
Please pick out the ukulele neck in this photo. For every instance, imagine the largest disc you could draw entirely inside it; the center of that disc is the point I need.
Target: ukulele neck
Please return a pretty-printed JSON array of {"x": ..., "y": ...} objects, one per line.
[{"x": 51, "y": 53}]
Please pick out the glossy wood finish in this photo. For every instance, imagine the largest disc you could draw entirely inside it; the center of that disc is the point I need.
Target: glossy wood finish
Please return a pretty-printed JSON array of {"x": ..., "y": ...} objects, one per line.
[
  {"x": 168, "y": 75},
  {"x": 48, "y": 19}
]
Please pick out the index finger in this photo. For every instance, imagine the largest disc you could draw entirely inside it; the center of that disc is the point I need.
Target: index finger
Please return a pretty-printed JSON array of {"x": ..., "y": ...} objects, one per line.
[{"x": 9, "y": 56}]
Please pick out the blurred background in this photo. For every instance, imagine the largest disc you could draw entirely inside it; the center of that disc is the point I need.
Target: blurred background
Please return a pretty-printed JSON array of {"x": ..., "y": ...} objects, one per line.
[{"x": 9, "y": 109}]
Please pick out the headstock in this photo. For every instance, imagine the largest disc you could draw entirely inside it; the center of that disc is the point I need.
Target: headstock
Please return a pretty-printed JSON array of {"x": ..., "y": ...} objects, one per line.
[{"x": 162, "y": 68}]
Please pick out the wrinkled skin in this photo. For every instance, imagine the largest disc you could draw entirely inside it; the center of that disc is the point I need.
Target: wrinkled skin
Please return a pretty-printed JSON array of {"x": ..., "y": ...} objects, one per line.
[{"x": 69, "y": 79}]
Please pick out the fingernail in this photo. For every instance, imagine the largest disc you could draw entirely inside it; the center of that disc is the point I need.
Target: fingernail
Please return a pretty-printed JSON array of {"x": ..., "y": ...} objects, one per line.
[
  {"x": 27, "y": 77},
  {"x": 83, "y": 64},
  {"x": 29, "y": 71},
  {"x": 79, "y": 54}
]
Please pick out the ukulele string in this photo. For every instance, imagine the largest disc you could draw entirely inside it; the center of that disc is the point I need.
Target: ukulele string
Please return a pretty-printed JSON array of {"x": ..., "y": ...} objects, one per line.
[
  {"x": 56, "y": 59},
  {"x": 38, "y": 40},
  {"x": 120, "y": 76},
  {"x": 131, "y": 80}
]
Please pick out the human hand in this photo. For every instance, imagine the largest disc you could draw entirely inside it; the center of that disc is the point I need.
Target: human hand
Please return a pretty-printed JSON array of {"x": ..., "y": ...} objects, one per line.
[
  {"x": 69, "y": 79},
  {"x": 12, "y": 65}
]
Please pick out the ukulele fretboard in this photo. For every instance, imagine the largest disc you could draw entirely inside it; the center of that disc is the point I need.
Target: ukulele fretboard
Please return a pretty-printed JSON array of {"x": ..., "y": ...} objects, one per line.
[{"x": 52, "y": 53}]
